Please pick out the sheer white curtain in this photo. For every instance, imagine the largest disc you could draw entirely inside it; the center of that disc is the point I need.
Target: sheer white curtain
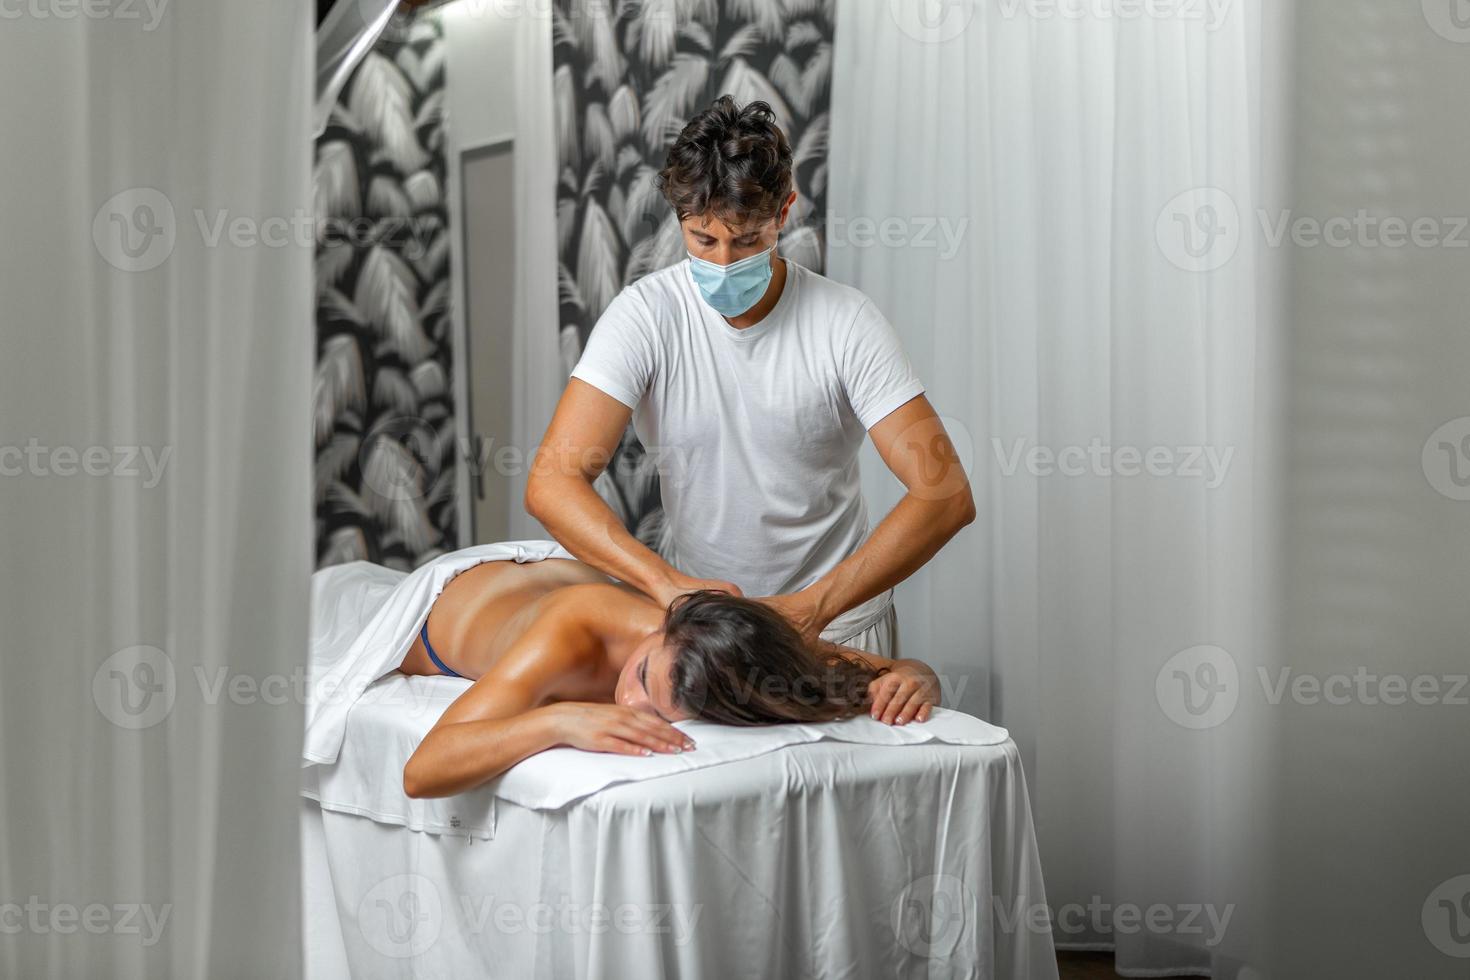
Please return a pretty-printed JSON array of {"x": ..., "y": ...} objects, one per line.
[
  {"x": 155, "y": 446},
  {"x": 1049, "y": 207}
]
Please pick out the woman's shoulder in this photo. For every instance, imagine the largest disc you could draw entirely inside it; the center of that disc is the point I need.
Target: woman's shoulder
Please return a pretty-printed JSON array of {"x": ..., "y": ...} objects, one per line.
[{"x": 597, "y": 611}]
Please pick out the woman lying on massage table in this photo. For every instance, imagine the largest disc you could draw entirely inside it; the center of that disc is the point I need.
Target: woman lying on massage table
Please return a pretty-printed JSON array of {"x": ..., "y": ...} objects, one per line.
[{"x": 562, "y": 655}]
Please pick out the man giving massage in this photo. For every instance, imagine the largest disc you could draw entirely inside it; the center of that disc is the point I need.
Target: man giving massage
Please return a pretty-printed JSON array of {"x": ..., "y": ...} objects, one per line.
[
  {"x": 753, "y": 381},
  {"x": 561, "y": 655}
]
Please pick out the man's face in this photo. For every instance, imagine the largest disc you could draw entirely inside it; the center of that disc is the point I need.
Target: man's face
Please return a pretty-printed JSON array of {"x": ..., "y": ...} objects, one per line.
[
  {"x": 710, "y": 238},
  {"x": 644, "y": 683}
]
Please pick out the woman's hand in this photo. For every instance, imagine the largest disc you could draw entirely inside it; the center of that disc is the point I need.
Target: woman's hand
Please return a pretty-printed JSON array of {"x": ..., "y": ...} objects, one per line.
[
  {"x": 614, "y": 728},
  {"x": 908, "y": 692}
]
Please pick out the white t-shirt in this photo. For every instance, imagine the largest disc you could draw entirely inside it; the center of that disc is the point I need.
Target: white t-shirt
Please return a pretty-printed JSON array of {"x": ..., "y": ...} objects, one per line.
[{"x": 756, "y": 430}]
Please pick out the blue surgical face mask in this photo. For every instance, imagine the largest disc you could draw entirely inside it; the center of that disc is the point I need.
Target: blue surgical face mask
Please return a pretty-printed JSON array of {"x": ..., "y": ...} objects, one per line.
[{"x": 732, "y": 289}]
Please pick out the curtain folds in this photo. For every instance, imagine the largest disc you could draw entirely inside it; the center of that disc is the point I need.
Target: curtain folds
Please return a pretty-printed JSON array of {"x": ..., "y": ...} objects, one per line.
[
  {"x": 156, "y": 452},
  {"x": 1065, "y": 264}
]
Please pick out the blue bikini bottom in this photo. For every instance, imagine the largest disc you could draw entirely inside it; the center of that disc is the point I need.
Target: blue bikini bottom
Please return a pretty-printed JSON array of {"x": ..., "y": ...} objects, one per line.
[{"x": 424, "y": 635}]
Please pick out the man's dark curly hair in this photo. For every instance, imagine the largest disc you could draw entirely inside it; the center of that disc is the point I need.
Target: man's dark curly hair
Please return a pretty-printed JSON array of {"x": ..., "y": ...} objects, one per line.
[{"x": 731, "y": 162}]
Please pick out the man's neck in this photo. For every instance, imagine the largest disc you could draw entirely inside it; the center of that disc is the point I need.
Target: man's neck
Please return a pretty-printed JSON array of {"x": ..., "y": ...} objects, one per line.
[{"x": 768, "y": 302}]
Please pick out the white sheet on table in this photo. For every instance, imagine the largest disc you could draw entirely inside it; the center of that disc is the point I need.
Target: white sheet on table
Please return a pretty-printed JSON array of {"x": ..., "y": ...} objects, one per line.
[
  {"x": 820, "y": 862},
  {"x": 359, "y": 612},
  {"x": 386, "y": 725}
]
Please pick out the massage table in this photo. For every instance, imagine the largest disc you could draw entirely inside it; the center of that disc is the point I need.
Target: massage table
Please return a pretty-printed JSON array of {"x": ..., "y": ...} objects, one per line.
[{"x": 850, "y": 849}]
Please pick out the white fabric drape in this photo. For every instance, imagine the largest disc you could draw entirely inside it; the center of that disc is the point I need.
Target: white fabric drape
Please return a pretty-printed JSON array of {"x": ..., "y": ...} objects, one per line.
[
  {"x": 1006, "y": 186},
  {"x": 155, "y": 446}
]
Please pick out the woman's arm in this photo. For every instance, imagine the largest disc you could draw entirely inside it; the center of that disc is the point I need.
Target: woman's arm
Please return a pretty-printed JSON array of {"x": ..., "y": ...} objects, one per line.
[
  {"x": 907, "y": 691},
  {"x": 504, "y": 717},
  {"x": 459, "y": 756}
]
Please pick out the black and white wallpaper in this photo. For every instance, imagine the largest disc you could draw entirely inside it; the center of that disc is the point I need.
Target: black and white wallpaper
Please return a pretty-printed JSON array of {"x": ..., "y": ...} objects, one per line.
[
  {"x": 628, "y": 75},
  {"x": 384, "y": 412}
]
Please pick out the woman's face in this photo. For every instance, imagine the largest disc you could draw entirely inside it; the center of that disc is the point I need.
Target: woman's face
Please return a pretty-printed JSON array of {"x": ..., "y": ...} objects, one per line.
[{"x": 644, "y": 683}]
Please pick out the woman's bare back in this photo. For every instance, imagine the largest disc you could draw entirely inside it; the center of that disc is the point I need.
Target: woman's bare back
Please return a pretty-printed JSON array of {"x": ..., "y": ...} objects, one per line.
[{"x": 485, "y": 609}]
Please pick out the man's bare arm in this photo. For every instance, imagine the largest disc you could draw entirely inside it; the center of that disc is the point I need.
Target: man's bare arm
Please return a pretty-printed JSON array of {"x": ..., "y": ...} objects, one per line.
[
  {"x": 913, "y": 443},
  {"x": 578, "y": 446}
]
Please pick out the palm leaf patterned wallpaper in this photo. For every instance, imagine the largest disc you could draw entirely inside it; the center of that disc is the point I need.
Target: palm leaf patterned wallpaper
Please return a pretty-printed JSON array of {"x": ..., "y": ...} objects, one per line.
[
  {"x": 384, "y": 412},
  {"x": 628, "y": 75}
]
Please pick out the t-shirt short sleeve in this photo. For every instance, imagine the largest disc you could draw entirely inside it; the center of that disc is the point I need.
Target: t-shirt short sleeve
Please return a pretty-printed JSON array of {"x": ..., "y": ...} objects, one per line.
[
  {"x": 875, "y": 370},
  {"x": 619, "y": 357}
]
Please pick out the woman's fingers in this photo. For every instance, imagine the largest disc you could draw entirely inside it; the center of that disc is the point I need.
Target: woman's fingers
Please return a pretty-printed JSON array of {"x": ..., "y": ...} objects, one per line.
[
  {"x": 619, "y": 746},
  {"x": 880, "y": 691},
  {"x": 676, "y": 740},
  {"x": 918, "y": 702},
  {"x": 656, "y": 735},
  {"x": 900, "y": 697},
  {"x": 893, "y": 693}
]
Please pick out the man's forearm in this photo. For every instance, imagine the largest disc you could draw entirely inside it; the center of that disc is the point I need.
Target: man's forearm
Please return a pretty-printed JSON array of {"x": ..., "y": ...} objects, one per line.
[
  {"x": 581, "y": 520},
  {"x": 911, "y": 534}
]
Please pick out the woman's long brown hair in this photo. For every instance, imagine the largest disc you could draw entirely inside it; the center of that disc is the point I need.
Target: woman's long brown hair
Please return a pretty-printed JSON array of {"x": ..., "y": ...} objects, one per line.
[{"x": 739, "y": 662}]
